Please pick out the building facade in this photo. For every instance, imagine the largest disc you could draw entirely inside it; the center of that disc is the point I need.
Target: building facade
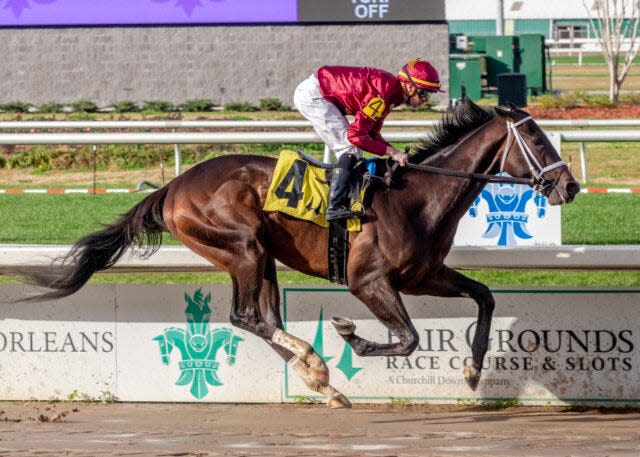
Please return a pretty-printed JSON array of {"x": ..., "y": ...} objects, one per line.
[
  {"x": 565, "y": 19},
  {"x": 64, "y": 57}
]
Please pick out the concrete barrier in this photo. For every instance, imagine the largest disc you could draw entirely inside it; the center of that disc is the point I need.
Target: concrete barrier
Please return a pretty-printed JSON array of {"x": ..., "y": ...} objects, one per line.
[
  {"x": 180, "y": 259},
  {"x": 174, "y": 343}
]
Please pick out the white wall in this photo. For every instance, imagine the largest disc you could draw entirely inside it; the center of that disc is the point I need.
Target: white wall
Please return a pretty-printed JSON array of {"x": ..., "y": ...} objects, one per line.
[
  {"x": 546, "y": 346},
  {"x": 530, "y": 9}
]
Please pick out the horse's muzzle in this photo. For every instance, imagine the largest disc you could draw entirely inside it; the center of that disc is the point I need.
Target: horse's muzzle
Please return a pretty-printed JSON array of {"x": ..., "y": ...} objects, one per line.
[
  {"x": 572, "y": 188},
  {"x": 563, "y": 192}
]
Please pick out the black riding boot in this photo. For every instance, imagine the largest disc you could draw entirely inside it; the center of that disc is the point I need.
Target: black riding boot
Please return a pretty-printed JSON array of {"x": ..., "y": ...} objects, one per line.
[{"x": 339, "y": 200}]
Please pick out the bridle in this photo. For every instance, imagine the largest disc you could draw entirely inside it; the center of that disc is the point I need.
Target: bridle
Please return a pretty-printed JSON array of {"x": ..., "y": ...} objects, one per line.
[
  {"x": 538, "y": 182},
  {"x": 537, "y": 171}
]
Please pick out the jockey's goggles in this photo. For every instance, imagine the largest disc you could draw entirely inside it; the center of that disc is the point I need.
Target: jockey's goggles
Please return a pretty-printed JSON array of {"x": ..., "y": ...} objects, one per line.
[{"x": 424, "y": 94}]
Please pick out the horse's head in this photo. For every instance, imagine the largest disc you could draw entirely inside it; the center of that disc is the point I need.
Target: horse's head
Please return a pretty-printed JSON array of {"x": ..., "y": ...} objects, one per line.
[{"x": 529, "y": 153}]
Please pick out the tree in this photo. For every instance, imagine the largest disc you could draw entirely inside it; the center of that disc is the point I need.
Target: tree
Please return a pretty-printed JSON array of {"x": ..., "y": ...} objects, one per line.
[{"x": 615, "y": 22}]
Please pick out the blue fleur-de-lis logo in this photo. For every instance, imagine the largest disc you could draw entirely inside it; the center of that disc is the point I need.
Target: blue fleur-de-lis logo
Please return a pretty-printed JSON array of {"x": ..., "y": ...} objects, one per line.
[
  {"x": 198, "y": 346},
  {"x": 507, "y": 219}
]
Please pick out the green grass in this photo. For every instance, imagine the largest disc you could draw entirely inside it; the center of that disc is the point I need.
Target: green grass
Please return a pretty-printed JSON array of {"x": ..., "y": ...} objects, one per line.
[
  {"x": 507, "y": 403},
  {"x": 61, "y": 219},
  {"x": 493, "y": 278},
  {"x": 609, "y": 164},
  {"x": 58, "y": 219},
  {"x": 555, "y": 278},
  {"x": 602, "y": 219},
  {"x": 587, "y": 59}
]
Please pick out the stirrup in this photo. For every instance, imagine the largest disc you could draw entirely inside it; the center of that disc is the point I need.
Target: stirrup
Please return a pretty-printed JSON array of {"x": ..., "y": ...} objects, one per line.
[{"x": 341, "y": 213}]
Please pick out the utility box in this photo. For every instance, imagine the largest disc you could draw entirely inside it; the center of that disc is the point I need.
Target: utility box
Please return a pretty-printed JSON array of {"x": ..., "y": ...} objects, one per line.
[
  {"x": 512, "y": 88},
  {"x": 532, "y": 54},
  {"x": 479, "y": 44},
  {"x": 503, "y": 56},
  {"x": 465, "y": 73},
  {"x": 458, "y": 43}
]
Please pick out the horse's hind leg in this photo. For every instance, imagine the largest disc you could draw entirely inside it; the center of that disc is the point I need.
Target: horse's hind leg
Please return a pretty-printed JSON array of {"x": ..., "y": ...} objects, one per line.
[
  {"x": 270, "y": 304},
  {"x": 312, "y": 370},
  {"x": 449, "y": 283},
  {"x": 235, "y": 244}
]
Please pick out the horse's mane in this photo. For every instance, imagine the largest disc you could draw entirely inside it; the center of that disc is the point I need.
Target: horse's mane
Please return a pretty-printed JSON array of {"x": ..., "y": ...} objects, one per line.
[{"x": 455, "y": 124}]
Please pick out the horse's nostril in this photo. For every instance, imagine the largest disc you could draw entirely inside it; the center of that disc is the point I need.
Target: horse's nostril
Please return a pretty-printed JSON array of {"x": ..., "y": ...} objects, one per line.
[{"x": 573, "y": 188}]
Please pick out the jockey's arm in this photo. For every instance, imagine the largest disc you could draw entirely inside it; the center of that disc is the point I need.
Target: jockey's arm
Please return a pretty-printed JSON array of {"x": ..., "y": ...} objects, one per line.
[
  {"x": 361, "y": 133},
  {"x": 375, "y": 132},
  {"x": 364, "y": 133}
]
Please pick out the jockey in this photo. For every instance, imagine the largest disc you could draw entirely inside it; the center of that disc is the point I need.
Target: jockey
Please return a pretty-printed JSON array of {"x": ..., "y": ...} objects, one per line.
[{"x": 368, "y": 94}]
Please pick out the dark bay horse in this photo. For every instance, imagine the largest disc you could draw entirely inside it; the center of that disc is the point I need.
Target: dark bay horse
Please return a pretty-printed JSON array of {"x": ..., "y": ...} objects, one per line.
[{"x": 215, "y": 209}]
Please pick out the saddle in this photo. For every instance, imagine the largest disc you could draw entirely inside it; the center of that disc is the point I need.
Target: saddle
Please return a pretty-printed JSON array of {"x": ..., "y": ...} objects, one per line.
[
  {"x": 363, "y": 174},
  {"x": 300, "y": 188}
]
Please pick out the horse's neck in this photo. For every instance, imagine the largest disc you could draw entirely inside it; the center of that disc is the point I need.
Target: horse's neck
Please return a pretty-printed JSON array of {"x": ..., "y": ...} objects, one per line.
[{"x": 478, "y": 152}]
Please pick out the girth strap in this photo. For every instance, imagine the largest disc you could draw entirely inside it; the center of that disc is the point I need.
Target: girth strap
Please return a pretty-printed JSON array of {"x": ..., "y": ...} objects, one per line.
[{"x": 338, "y": 251}]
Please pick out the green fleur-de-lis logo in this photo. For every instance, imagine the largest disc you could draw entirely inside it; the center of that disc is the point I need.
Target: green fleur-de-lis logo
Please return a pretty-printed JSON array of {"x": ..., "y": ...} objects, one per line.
[
  {"x": 345, "y": 364},
  {"x": 198, "y": 346}
]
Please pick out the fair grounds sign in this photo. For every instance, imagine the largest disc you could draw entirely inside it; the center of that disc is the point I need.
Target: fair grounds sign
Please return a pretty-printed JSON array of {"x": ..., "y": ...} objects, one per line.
[
  {"x": 546, "y": 346},
  {"x": 174, "y": 343}
]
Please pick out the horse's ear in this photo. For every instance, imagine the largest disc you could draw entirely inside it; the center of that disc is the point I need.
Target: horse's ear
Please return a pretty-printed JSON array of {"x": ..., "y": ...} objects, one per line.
[
  {"x": 503, "y": 113},
  {"x": 515, "y": 109}
]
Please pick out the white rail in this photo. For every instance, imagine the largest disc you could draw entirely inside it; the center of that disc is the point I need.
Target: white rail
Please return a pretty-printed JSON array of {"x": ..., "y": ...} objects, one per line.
[
  {"x": 260, "y": 137},
  {"x": 177, "y": 138},
  {"x": 219, "y": 124},
  {"x": 179, "y": 258}
]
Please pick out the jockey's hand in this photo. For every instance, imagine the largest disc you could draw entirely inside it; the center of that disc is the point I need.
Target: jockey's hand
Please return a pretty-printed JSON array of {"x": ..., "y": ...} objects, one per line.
[{"x": 398, "y": 156}]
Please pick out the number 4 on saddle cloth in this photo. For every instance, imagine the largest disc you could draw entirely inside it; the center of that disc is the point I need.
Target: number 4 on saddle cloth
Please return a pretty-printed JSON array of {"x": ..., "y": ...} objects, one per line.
[{"x": 300, "y": 188}]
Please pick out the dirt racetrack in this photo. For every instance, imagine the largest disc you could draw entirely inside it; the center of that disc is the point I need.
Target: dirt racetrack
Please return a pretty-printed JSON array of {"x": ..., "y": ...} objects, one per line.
[{"x": 124, "y": 429}]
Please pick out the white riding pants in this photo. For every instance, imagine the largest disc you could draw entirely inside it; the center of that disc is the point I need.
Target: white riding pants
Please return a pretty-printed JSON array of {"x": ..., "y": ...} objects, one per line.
[{"x": 326, "y": 118}]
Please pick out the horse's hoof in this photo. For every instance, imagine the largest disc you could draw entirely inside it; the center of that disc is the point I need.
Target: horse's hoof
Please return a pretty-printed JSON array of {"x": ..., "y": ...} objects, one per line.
[
  {"x": 343, "y": 326},
  {"x": 472, "y": 376},
  {"x": 339, "y": 402}
]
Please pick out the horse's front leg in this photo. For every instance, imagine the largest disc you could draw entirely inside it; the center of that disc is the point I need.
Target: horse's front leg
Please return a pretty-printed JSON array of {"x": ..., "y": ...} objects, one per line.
[
  {"x": 449, "y": 283},
  {"x": 385, "y": 303}
]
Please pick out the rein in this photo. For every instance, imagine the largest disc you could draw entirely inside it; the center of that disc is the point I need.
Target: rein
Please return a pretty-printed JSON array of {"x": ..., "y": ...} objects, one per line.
[
  {"x": 538, "y": 181},
  {"x": 468, "y": 175}
]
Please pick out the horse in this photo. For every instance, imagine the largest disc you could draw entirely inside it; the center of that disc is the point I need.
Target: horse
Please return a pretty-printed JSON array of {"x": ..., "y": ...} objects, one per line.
[{"x": 215, "y": 209}]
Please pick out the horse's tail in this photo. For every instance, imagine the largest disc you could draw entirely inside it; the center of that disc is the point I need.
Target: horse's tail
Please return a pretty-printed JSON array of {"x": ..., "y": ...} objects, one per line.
[{"x": 141, "y": 227}]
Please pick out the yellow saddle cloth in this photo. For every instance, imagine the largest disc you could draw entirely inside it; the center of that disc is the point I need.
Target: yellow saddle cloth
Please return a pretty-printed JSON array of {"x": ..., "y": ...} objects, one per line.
[{"x": 300, "y": 189}]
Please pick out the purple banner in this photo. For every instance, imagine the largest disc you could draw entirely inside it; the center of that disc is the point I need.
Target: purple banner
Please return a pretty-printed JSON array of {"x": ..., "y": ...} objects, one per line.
[{"x": 114, "y": 12}]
